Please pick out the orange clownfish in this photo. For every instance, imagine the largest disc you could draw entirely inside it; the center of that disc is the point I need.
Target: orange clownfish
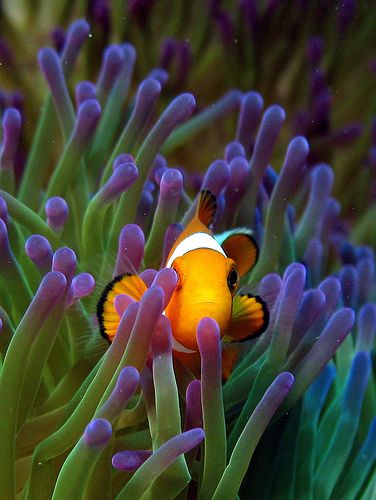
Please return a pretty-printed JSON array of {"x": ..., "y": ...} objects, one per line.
[{"x": 208, "y": 279}]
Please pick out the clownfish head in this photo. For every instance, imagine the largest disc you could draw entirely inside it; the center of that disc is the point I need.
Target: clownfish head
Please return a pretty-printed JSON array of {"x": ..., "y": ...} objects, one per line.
[{"x": 207, "y": 281}]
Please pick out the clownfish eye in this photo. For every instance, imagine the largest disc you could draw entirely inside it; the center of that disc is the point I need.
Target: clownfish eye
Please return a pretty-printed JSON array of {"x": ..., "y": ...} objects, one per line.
[
  {"x": 233, "y": 279},
  {"x": 177, "y": 274}
]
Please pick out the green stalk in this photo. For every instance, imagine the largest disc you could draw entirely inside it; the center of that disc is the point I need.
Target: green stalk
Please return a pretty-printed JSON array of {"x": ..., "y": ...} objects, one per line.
[
  {"x": 230, "y": 482},
  {"x": 29, "y": 219},
  {"x": 12, "y": 374}
]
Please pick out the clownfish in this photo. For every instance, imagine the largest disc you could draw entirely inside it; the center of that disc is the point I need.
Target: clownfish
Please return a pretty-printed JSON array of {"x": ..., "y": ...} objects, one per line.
[{"x": 208, "y": 279}]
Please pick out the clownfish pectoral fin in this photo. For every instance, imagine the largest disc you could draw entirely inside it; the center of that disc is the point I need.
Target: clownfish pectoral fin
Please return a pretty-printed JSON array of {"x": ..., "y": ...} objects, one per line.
[
  {"x": 250, "y": 318},
  {"x": 242, "y": 249},
  {"x": 230, "y": 353},
  {"x": 206, "y": 208},
  {"x": 108, "y": 317}
]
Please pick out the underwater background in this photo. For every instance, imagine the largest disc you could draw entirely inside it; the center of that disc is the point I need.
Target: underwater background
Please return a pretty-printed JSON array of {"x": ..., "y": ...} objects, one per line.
[{"x": 115, "y": 115}]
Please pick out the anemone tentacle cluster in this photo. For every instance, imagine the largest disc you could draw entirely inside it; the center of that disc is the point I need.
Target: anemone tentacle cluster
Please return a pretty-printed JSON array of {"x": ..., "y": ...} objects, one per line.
[{"x": 97, "y": 195}]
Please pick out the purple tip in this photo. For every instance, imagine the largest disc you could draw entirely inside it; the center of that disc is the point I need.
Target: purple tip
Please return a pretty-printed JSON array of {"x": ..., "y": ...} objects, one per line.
[
  {"x": 5, "y": 251},
  {"x": 171, "y": 185},
  {"x": 159, "y": 162},
  {"x": 97, "y": 433},
  {"x": 160, "y": 75},
  {"x": 147, "y": 96},
  {"x": 311, "y": 306},
  {"x": 121, "y": 179},
  {"x": 161, "y": 343},
  {"x": 65, "y": 261},
  {"x": 284, "y": 381},
  {"x": 82, "y": 285},
  {"x": 39, "y": 250},
  {"x": 237, "y": 183},
  {"x": 167, "y": 280},
  {"x": 126, "y": 384},
  {"x": 148, "y": 276},
  {"x": 226, "y": 28},
  {"x": 58, "y": 39},
  {"x": 313, "y": 259},
  {"x": 130, "y": 55},
  {"x": 84, "y": 91},
  {"x": 315, "y": 50},
  {"x": 148, "y": 92},
  {"x": 50, "y": 66},
  {"x": 216, "y": 177},
  {"x": 340, "y": 324},
  {"x": 290, "y": 297},
  {"x": 356, "y": 383},
  {"x": 57, "y": 212},
  {"x": 50, "y": 291},
  {"x": 331, "y": 287},
  {"x": 101, "y": 13},
  {"x": 180, "y": 109},
  {"x": 208, "y": 336},
  {"x": 76, "y": 35},
  {"x": 233, "y": 150},
  {"x": 270, "y": 126},
  {"x": 158, "y": 174},
  {"x": 122, "y": 302},
  {"x": 269, "y": 289},
  {"x": 295, "y": 159},
  {"x": 11, "y": 136},
  {"x": 130, "y": 249},
  {"x": 168, "y": 51},
  {"x": 144, "y": 207},
  {"x": 130, "y": 460},
  {"x": 193, "y": 415},
  {"x": 87, "y": 118},
  {"x": 270, "y": 179},
  {"x": 17, "y": 100},
  {"x": 322, "y": 181},
  {"x": 367, "y": 282},
  {"x": 366, "y": 327},
  {"x": 113, "y": 59},
  {"x": 3, "y": 210},
  {"x": 122, "y": 158}
]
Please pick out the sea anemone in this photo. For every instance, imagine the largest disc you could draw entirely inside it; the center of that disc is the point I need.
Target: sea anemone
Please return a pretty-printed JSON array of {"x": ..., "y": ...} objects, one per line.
[{"x": 91, "y": 191}]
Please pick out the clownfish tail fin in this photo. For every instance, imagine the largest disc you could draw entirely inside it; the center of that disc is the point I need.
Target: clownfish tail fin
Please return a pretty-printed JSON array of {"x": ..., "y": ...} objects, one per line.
[{"x": 207, "y": 207}]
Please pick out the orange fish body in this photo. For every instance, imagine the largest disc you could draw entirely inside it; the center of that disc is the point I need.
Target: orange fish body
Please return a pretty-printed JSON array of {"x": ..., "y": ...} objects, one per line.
[
  {"x": 208, "y": 278},
  {"x": 203, "y": 271}
]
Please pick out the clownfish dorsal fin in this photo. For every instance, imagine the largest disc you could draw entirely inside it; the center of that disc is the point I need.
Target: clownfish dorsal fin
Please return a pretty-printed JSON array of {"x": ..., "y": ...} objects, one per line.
[
  {"x": 123, "y": 284},
  {"x": 250, "y": 318},
  {"x": 206, "y": 207}
]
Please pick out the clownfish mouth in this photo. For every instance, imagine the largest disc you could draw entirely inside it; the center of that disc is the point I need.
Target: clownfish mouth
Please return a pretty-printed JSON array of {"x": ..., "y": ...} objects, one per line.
[{"x": 177, "y": 346}]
